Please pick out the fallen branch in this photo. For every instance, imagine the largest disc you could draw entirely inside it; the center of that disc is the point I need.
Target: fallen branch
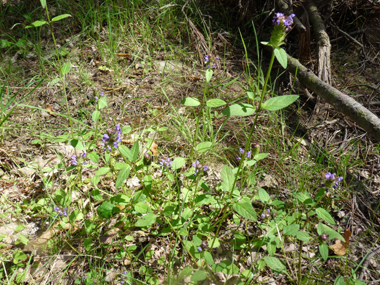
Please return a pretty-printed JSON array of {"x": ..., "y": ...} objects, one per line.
[{"x": 340, "y": 101}]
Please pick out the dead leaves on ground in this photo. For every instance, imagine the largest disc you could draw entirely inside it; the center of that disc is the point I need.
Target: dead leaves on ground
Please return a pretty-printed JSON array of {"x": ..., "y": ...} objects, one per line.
[{"x": 340, "y": 247}]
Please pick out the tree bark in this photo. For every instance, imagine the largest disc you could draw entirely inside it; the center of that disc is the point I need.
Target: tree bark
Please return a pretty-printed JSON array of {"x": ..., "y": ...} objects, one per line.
[{"x": 340, "y": 101}]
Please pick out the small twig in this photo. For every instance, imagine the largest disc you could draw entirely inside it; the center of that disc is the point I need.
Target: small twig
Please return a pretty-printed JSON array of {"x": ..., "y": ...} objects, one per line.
[
  {"x": 345, "y": 34},
  {"x": 366, "y": 262}
]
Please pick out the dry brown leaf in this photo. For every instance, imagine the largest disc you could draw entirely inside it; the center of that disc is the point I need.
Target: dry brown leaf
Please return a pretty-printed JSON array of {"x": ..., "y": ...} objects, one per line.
[
  {"x": 154, "y": 148},
  {"x": 50, "y": 110},
  {"x": 340, "y": 247}
]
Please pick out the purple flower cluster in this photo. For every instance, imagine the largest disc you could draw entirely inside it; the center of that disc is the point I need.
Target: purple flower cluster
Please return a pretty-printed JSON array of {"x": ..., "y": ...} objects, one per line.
[
  {"x": 101, "y": 94},
  {"x": 60, "y": 211},
  {"x": 332, "y": 181},
  {"x": 210, "y": 60},
  {"x": 74, "y": 158},
  {"x": 242, "y": 151},
  {"x": 280, "y": 18},
  {"x": 123, "y": 276},
  {"x": 112, "y": 138},
  {"x": 198, "y": 167},
  {"x": 166, "y": 162}
]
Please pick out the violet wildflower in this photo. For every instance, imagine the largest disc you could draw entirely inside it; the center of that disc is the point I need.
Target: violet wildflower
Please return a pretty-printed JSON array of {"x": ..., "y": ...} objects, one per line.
[
  {"x": 60, "y": 212},
  {"x": 263, "y": 215},
  {"x": 332, "y": 181},
  {"x": 242, "y": 151},
  {"x": 74, "y": 161},
  {"x": 280, "y": 18},
  {"x": 102, "y": 93},
  {"x": 96, "y": 98},
  {"x": 198, "y": 167},
  {"x": 166, "y": 162},
  {"x": 324, "y": 236},
  {"x": 199, "y": 248},
  {"x": 210, "y": 60},
  {"x": 268, "y": 210},
  {"x": 112, "y": 138}
]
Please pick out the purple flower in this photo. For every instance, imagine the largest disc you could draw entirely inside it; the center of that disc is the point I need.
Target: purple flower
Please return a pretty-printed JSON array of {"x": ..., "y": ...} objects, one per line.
[
  {"x": 112, "y": 138},
  {"x": 102, "y": 93},
  {"x": 198, "y": 167},
  {"x": 332, "y": 181},
  {"x": 242, "y": 151},
  {"x": 263, "y": 215},
  {"x": 217, "y": 57},
  {"x": 199, "y": 248},
  {"x": 206, "y": 58},
  {"x": 105, "y": 138},
  {"x": 268, "y": 210},
  {"x": 96, "y": 98},
  {"x": 205, "y": 168},
  {"x": 280, "y": 18},
  {"x": 166, "y": 162},
  {"x": 60, "y": 212},
  {"x": 74, "y": 161}
]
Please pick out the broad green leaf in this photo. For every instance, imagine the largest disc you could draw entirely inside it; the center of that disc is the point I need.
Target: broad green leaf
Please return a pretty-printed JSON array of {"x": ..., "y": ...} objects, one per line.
[
  {"x": 23, "y": 239},
  {"x": 245, "y": 210},
  {"x": 239, "y": 110},
  {"x": 55, "y": 81},
  {"x": 93, "y": 156},
  {"x": 208, "y": 258},
  {"x": 19, "y": 256},
  {"x": 263, "y": 195},
  {"x": 147, "y": 220},
  {"x": 280, "y": 102},
  {"x": 209, "y": 73},
  {"x": 61, "y": 138},
  {"x": 228, "y": 178},
  {"x": 199, "y": 276},
  {"x": 95, "y": 180},
  {"x": 36, "y": 24},
  {"x": 190, "y": 102},
  {"x": 303, "y": 197},
  {"x": 271, "y": 247},
  {"x": 280, "y": 54},
  {"x": 216, "y": 242},
  {"x": 125, "y": 151},
  {"x": 102, "y": 102},
  {"x": 106, "y": 210},
  {"x": 339, "y": 280},
  {"x": 134, "y": 151},
  {"x": 330, "y": 232},
  {"x": 102, "y": 171},
  {"x": 43, "y": 3},
  {"x": 122, "y": 200},
  {"x": 142, "y": 208},
  {"x": 66, "y": 68},
  {"x": 260, "y": 156},
  {"x": 301, "y": 235},
  {"x": 178, "y": 162},
  {"x": 123, "y": 174},
  {"x": 291, "y": 229},
  {"x": 275, "y": 264},
  {"x": 203, "y": 147},
  {"x": 96, "y": 195},
  {"x": 226, "y": 267},
  {"x": 185, "y": 272},
  {"x": 324, "y": 215},
  {"x": 60, "y": 17},
  {"x": 324, "y": 251},
  {"x": 95, "y": 115},
  {"x": 204, "y": 199},
  {"x": 77, "y": 144},
  {"x": 213, "y": 103},
  {"x": 4, "y": 43}
]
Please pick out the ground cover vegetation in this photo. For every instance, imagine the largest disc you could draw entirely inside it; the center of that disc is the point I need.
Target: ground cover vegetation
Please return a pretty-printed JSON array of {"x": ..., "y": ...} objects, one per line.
[{"x": 165, "y": 142}]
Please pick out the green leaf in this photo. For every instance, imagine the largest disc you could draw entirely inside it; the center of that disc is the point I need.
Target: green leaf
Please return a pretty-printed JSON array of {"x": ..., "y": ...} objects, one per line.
[
  {"x": 275, "y": 264},
  {"x": 123, "y": 174},
  {"x": 36, "y": 24},
  {"x": 43, "y": 3},
  {"x": 324, "y": 215},
  {"x": 213, "y": 103},
  {"x": 178, "y": 162},
  {"x": 280, "y": 102},
  {"x": 204, "y": 199},
  {"x": 23, "y": 239},
  {"x": 330, "y": 232},
  {"x": 260, "y": 156},
  {"x": 245, "y": 210},
  {"x": 199, "y": 276},
  {"x": 208, "y": 258},
  {"x": 142, "y": 208},
  {"x": 203, "y": 147},
  {"x": 122, "y": 200},
  {"x": 185, "y": 272},
  {"x": 239, "y": 110},
  {"x": 303, "y": 197},
  {"x": 66, "y": 68},
  {"x": 102, "y": 102},
  {"x": 263, "y": 195},
  {"x": 102, "y": 171},
  {"x": 339, "y": 280},
  {"x": 324, "y": 251},
  {"x": 106, "y": 210},
  {"x": 96, "y": 195},
  {"x": 95, "y": 180},
  {"x": 60, "y": 17},
  {"x": 19, "y": 256},
  {"x": 147, "y": 220},
  {"x": 228, "y": 178},
  {"x": 291, "y": 229},
  {"x": 93, "y": 156},
  {"x": 5, "y": 43},
  {"x": 304, "y": 236},
  {"x": 95, "y": 115},
  {"x": 87, "y": 243},
  {"x": 226, "y": 267},
  {"x": 190, "y": 102},
  {"x": 280, "y": 54},
  {"x": 77, "y": 144},
  {"x": 134, "y": 151},
  {"x": 209, "y": 73}
]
